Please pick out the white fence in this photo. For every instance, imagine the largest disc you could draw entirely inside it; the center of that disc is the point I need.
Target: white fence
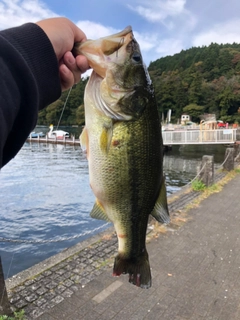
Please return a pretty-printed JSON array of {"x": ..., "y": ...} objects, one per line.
[{"x": 218, "y": 136}]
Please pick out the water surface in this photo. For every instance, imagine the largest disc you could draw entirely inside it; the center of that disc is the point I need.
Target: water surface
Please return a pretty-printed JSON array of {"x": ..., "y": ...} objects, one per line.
[{"x": 45, "y": 194}]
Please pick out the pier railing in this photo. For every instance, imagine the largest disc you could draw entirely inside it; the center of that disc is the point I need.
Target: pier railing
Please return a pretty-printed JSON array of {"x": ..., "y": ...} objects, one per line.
[{"x": 218, "y": 136}]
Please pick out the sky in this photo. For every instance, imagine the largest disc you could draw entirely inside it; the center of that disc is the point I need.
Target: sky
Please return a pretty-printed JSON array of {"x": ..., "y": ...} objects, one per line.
[{"x": 161, "y": 27}]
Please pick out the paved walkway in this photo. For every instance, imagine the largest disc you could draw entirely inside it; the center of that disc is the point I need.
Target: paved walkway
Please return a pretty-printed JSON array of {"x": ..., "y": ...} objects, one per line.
[{"x": 195, "y": 271}]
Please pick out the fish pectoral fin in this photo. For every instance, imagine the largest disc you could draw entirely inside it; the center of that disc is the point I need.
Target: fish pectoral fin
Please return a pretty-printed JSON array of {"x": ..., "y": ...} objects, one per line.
[
  {"x": 106, "y": 137},
  {"x": 160, "y": 210},
  {"x": 134, "y": 103},
  {"x": 84, "y": 140},
  {"x": 98, "y": 212}
]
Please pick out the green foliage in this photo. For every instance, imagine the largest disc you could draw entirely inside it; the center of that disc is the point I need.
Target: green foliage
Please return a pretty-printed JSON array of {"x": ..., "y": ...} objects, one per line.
[
  {"x": 18, "y": 315},
  {"x": 194, "y": 111},
  {"x": 198, "y": 185},
  {"x": 199, "y": 79}
]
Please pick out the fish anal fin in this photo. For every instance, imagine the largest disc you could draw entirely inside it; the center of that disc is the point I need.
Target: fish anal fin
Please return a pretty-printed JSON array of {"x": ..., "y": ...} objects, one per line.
[
  {"x": 98, "y": 212},
  {"x": 160, "y": 211}
]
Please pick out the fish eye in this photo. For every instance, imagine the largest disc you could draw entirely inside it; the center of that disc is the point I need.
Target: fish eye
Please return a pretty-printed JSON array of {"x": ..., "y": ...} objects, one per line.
[{"x": 136, "y": 57}]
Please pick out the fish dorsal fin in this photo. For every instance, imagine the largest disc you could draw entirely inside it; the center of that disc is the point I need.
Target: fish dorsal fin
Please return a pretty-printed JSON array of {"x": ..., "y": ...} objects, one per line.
[
  {"x": 106, "y": 136},
  {"x": 160, "y": 210},
  {"x": 98, "y": 212}
]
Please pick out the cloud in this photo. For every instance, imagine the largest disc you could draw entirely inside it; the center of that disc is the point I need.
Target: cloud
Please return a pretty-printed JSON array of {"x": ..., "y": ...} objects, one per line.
[
  {"x": 17, "y": 12},
  {"x": 95, "y": 30},
  {"x": 159, "y": 10},
  {"x": 147, "y": 41},
  {"x": 226, "y": 32},
  {"x": 169, "y": 47}
]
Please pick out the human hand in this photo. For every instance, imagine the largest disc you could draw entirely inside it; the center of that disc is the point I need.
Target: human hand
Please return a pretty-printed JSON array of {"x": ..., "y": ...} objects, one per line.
[{"x": 63, "y": 34}]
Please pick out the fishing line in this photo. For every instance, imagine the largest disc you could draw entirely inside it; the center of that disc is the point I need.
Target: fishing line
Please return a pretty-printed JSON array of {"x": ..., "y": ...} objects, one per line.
[{"x": 64, "y": 107}]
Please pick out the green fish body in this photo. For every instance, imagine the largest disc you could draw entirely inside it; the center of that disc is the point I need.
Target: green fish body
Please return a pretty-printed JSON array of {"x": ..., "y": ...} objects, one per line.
[{"x": 122, "y": 138}]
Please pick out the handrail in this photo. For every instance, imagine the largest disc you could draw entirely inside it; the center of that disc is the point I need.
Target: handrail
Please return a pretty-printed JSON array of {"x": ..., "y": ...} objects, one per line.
[{"x": 217, "y": 136}]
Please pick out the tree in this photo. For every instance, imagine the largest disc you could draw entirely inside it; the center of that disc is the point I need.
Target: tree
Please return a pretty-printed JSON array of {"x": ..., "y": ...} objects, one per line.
[
  {"x": 202, "y": 76},
  {"x": 53, "y": 112},
  {"x": 80, "y": 115},
  {"x": 195, "y": 89},
  {"x": 194, "y": 111}
]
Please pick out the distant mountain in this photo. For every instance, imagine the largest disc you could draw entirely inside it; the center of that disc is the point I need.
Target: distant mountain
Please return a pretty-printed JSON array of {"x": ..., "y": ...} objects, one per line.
[{"x": 199, "y": 80}]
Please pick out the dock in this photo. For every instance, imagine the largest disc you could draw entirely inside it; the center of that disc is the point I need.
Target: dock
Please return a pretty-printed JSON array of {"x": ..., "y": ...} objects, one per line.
[
  {"x": 217, "y": 136},
  {"x": 70, "y": 141}
]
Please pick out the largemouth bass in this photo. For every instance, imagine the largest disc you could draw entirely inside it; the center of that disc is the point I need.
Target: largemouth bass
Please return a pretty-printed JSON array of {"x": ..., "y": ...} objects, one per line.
[{"x": 122, "y": 138}]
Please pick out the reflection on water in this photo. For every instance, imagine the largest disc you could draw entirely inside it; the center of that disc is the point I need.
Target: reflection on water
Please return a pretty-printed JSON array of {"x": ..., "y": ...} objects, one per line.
[
  {"x": 181, "y": 163},
  {"x": 45, "y": 193}
]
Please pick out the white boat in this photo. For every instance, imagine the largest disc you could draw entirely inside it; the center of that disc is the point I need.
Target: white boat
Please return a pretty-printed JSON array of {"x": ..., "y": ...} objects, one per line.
[
  {"x": 36, "y": 135},
  {"x": 57, "y": 134}
]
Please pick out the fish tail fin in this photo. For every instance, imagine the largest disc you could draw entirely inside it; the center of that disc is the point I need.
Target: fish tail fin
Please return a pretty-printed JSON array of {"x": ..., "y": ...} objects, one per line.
[{"x": 138, "y": 270}]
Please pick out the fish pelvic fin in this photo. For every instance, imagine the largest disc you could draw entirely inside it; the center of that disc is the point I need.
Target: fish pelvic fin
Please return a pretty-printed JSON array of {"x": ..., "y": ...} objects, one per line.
[
  {"x": 98, "y": 212},
  {"x": 160, "y": 211},
  {"x": 106, "y": 137},
  {"x": 137, "y": 268},
  {"x": 84, "y": 140}
]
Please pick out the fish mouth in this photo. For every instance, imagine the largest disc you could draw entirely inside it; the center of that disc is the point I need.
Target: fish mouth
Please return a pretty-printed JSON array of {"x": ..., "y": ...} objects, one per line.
[{"x": 105, "y": 50}]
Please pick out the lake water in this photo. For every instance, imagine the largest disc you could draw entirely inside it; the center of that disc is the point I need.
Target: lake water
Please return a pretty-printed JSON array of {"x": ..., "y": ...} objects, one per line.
[{"x": 45, "y": 194}]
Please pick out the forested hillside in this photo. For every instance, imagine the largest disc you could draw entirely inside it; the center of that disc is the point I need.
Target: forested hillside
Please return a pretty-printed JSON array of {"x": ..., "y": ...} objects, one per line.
[
  {"x": 195, "y": 81},
  {"x": 199, "y": 80}
]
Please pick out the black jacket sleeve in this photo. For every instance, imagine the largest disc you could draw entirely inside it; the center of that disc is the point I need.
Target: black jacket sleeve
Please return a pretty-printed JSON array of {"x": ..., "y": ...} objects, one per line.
[{"x": 29, "y": 81}]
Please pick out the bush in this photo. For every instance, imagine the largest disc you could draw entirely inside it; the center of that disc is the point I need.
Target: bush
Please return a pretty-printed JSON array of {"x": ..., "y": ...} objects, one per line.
[{"x": 198, "y": 185}]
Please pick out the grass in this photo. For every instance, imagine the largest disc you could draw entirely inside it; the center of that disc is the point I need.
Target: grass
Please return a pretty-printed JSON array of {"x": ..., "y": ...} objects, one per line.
[
  {"x": 18, "y": 315},
  {"x": 198, "y": 185}
]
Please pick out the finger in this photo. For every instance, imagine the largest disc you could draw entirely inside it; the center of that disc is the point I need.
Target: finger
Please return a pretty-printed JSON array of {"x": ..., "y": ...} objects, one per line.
[
  {"x": 66, "y": 77},
  {"x": 70, "y": 62},
  {"x": 82, "y": 63}
]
